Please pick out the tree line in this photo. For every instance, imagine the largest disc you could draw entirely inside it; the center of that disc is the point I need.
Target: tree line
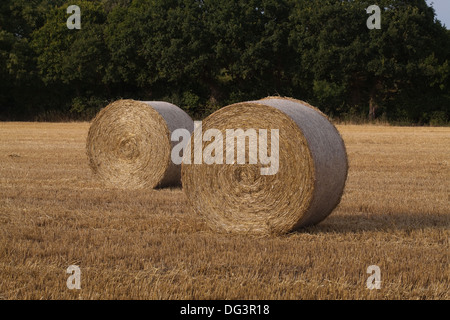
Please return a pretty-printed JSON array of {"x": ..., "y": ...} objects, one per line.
[{"x": 205, "y": 54}]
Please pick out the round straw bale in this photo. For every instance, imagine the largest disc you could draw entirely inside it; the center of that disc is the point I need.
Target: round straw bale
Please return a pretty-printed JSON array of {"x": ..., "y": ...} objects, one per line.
[
  {"x": 129, "y": 144},
  {"x": 306, "y": 188}
]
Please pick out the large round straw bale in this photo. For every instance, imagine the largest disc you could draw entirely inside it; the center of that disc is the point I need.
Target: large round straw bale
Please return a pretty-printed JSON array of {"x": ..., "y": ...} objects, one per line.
[
  {"x": 306, "y": 188},
  {"x": 129, "y": 144}
]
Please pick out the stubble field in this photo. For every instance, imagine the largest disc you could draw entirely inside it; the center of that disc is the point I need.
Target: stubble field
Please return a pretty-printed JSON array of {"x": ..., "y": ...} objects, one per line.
[{"x": 147, "y": 244}]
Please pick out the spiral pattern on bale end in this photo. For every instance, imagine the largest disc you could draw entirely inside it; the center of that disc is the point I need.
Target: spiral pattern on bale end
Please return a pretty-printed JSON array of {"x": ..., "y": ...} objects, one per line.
[
  {"x": 129, "y": 144},
  {"x": 307, "y": 187}
]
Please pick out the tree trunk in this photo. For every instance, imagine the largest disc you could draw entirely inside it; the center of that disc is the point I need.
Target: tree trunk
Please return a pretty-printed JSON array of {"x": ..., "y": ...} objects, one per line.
[
  {"x": 214, "y": 93},
  {"x": 373, "y": 106}
]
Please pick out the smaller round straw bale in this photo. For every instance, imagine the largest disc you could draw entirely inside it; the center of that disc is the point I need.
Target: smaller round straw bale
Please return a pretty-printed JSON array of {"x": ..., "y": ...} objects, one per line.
[{"x": 129, "y": 144}]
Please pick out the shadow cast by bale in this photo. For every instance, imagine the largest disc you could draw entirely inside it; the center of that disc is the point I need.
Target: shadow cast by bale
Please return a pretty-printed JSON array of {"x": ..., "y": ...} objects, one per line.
[{"x": 355, "y": 223}]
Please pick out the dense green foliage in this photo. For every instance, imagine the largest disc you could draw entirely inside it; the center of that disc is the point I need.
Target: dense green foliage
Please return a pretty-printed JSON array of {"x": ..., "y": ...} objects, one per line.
[{"x": 204, "y": 54}]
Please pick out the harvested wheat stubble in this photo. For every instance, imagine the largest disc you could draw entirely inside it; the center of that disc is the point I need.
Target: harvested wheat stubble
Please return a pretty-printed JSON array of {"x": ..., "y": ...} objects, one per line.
[
  {"x": 308, "y": 186},
  {"x": 129, "y": 145}
]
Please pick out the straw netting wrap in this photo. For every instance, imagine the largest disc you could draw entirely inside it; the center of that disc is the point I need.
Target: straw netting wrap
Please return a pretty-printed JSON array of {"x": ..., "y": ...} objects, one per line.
[
  {"x": 129, "y": 144},
  {"x": 309, "y": 182}
]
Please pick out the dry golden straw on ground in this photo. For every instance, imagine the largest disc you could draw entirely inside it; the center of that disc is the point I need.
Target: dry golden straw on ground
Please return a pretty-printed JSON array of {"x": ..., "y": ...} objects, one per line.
[
  {"x": 305, "y": 190},
  {"x": 129, "y": 143},
  {"x": 147, "y": 245}
]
